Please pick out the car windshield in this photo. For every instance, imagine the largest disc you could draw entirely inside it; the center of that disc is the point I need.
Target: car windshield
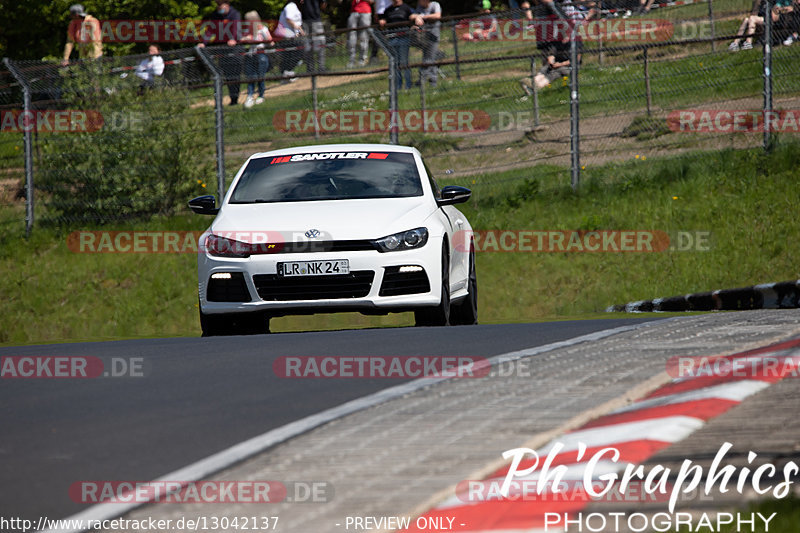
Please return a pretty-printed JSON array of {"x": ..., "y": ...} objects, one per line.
[{"x": 328, "y": 176}]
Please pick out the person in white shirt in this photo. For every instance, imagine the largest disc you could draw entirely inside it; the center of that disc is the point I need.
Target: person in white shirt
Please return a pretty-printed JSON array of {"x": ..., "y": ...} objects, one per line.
[
  {"x": 290, "y": 31},
  {"x": 150, "y": 67},
  {"x": 256, "y": 60}
]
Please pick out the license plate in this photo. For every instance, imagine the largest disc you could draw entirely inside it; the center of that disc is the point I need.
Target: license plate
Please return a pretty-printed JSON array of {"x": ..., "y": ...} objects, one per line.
[{"x": 314, "y": 268}]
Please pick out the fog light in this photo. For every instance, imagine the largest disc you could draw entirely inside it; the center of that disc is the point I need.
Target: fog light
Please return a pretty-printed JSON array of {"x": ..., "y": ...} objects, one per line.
[
  {"x": 410, "y": 268},
  {"x": 221, "y": 275}
]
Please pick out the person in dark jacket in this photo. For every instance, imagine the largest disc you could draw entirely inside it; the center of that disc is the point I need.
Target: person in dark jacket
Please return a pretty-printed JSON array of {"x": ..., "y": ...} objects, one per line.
[
  {"x": 227, "y": 28},
  {"x": 398, "y": 37}
]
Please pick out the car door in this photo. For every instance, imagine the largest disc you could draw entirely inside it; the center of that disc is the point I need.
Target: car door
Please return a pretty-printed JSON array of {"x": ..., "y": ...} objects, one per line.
[{"x": 455, "y": 222}]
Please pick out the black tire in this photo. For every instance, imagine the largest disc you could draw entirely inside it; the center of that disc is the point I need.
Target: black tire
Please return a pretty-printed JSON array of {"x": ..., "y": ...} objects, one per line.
[
  {"x": 234, "y": 324},
  {"x": 465, "y": 312},
  {"x": 439, "y": 315}
]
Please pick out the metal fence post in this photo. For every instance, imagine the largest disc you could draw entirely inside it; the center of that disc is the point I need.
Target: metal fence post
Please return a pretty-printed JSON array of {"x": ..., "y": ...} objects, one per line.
[
  {"x": 600, "y": 55},
  {"x": 767, "y": 75},
  {"x": 26, "y": 104},
  {"x": 455, "y": 50},
  {"x": 647, "y": 92},
  {"x": 393, "y": 74},
  {"x": 315, "y": 105},
  {"x": 535, "y": 93},
  {"x": 574, "y": 111},
  {"x": 422, "y": 81},
  {"x": 219, "y": 122},
  {"x": 711, "y": 22}
]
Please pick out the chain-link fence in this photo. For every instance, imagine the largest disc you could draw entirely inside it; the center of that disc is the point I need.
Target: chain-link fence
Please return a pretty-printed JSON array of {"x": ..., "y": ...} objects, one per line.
[
  {"x": 484, "y": 98},
  {"x": 107, "y": 144}
]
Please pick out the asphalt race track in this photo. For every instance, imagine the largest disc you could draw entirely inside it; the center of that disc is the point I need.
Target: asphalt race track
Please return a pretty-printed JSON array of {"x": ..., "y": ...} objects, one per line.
[{"x": 197, "y": 396}]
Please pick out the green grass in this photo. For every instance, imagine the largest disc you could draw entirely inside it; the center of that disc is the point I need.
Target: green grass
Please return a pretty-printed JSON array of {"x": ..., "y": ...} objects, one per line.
[
  {"x": 11, "y": 151},
  {"x": 744, "y": 198},
  {"x": 741, "y": 197}
]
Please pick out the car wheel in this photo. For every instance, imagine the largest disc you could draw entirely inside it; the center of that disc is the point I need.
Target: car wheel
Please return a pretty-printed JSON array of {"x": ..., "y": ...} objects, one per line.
[
  {"x": 439, "y": 315},
  {"x": 465, "y": 312},
  {"x": 234, "y": 324}
]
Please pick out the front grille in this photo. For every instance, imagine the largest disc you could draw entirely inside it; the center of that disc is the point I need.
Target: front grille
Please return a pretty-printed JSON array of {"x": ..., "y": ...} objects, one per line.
[
  {"x": 273, "y": 288},
  {"x": 228, "y": 290},
  {"x": 396, "y": 283},
  {"x": 321, "y": 246}
]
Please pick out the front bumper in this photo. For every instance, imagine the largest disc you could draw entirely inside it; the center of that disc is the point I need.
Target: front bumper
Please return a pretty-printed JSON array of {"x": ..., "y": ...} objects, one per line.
[{"x": 375, "y": 285}]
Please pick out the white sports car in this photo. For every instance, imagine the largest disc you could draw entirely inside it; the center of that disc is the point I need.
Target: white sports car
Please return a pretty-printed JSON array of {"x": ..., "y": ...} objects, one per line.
[{"x": 341, "y": 227}]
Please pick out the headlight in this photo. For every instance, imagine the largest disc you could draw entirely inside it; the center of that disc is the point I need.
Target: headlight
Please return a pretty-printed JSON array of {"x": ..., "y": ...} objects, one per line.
[
  {"x": 224, "y": 247},
  {"x": 404, "y": 240}
]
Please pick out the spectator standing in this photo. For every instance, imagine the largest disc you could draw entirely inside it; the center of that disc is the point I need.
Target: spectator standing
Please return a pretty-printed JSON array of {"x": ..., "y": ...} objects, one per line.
[
  {"x": 83, "y": 33},
  {"x": 380, "y": 9},
  {"x": 314, "y": 29},
  {"x": 359, "y": 20},
  {"x": 398, "y": 38},
  {"x": 428, "y": 17},
  {"x": 290, "y": 31},
  {"x": 256, "y": 61},
  {"x": 228, "y": 23},
  {"x": 150, "y": 68}
]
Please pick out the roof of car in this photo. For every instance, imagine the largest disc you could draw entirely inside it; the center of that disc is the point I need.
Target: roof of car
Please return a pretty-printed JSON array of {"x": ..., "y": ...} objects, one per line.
[{"x": 350, "y": 147}]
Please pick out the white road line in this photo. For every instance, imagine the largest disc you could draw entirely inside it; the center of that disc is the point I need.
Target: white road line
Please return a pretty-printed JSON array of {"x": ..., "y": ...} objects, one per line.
[
  {"x": 239, "y": 452},
  {"x": 735, "y": 391},
  {"x": 666, "y": 429}
]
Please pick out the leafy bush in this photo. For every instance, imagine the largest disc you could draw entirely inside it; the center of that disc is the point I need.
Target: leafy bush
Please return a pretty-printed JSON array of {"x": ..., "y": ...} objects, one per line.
[{"x": 150, "y": 154}]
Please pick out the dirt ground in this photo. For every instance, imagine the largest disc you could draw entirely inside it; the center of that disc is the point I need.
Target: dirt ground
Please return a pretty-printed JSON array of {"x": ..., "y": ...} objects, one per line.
[{"x": 600, "y": 141}]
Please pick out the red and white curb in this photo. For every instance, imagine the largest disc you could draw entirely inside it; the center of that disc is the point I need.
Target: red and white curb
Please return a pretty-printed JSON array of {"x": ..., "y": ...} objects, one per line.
[{"x": 668, "y": 415}]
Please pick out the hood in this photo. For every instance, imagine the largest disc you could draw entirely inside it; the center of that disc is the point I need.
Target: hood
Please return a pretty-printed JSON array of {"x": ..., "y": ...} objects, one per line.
[{"x": 335, "y": 219}]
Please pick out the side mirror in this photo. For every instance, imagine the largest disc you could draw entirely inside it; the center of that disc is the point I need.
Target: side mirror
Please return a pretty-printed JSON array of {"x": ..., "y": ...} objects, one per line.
[
  {"x": 453, "y": 194},
  {"x": 204, "y": 205}
]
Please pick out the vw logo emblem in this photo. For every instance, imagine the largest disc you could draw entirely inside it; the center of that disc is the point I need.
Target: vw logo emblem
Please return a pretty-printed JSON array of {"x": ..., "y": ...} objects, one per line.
[{"x": 312, "y": 233}]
